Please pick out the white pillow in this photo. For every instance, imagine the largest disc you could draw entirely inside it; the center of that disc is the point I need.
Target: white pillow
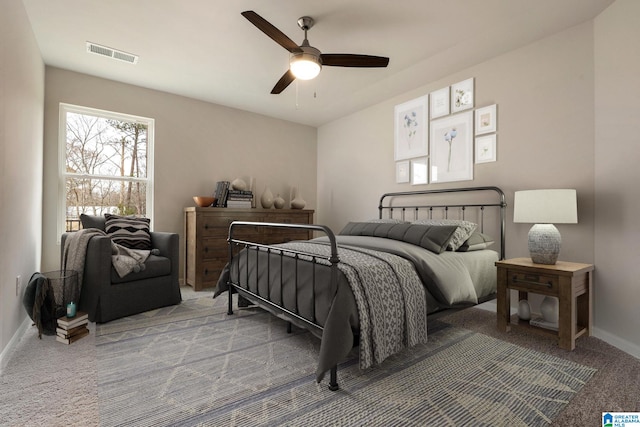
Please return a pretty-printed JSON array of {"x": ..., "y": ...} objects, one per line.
[{"x": 464, "y": 231}]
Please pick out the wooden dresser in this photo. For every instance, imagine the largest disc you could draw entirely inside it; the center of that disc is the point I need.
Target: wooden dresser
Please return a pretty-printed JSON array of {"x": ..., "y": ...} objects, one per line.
[{"x": 206, "y": 231}]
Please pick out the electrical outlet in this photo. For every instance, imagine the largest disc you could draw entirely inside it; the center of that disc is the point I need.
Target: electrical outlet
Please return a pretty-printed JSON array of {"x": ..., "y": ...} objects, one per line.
[{"x": 18, "y": 284}]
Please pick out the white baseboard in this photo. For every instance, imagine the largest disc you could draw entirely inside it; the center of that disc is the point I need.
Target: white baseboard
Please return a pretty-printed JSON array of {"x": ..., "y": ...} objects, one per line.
[
  {"x": 616, "y": 341},
  {"x": 6, "y": 353}
]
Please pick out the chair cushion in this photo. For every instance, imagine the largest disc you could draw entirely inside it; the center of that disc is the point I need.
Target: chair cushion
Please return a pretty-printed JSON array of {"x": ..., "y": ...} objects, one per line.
[
  {"x": 128, "y": 231},
  {"x": 155, "y": 266},
  {"x": 92, "y": 221}
]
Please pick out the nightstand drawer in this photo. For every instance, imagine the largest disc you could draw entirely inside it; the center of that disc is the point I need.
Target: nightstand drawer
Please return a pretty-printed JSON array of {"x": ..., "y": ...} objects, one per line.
[{"x": 532, "y": 282}]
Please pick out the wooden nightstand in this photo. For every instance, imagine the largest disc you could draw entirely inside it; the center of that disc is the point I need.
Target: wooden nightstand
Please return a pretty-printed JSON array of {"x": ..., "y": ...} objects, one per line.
[{"x": 570, "y": 282}]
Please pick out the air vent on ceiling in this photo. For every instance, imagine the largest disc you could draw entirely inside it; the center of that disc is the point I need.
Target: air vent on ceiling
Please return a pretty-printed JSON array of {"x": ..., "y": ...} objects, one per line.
[{"x": 112, "y": 53}]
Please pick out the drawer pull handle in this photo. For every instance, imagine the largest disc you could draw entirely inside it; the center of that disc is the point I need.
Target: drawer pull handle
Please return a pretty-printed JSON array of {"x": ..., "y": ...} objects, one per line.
[
  {"x": 206, "y": 226},
  {"x": 531, "y": 282}
]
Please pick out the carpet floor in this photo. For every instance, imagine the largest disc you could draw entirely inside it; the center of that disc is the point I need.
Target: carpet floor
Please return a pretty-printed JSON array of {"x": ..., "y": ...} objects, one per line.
[{"x": 192, "y": 364}]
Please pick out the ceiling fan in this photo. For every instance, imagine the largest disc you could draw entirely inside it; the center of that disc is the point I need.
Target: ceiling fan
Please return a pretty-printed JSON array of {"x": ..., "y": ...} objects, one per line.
[{"x": 306, "y": 61}]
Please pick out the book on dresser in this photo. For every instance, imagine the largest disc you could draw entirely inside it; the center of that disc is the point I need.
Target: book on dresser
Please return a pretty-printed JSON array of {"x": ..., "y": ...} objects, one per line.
[
  {"x": 71, "y": 329},
  {"x": 239, "y": 199},
  {"x": 222, "y": 190}
]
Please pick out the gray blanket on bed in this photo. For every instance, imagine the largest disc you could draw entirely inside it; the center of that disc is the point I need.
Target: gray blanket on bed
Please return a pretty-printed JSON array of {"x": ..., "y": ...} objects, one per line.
[
  {"x": 390, "y": 299},
  {"x": 417, "y": 274}
]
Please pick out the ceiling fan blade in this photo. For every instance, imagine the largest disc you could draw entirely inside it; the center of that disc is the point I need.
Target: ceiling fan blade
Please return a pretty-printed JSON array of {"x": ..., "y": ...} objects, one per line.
[
  {"x": 267, "y": 28},
  {"x": 352, "y": 60},
  {"x": 286, "y": 79}
]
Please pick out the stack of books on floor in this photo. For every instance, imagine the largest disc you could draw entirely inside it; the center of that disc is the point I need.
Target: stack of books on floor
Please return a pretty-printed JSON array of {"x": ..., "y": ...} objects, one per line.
[
  {"x": 71, "y": 329},
  {"x": 541, "y": 323},
  {"x": 239, "y": 198}
]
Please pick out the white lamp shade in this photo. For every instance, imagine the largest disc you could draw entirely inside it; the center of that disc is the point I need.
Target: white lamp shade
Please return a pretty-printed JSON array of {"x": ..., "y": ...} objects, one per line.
[{"x": 554, "y": 206}]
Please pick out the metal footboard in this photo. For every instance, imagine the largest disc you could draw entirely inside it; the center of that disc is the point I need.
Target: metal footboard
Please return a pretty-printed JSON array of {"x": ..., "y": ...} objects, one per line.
[{"x": 276, "y": 256}]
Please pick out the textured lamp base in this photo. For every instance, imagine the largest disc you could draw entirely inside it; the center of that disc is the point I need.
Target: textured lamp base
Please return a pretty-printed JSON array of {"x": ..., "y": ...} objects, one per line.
[{"x": 544, "y": 244}]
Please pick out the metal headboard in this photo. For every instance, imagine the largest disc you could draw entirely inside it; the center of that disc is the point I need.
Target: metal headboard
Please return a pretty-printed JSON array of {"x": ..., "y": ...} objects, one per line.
[{"x": 405, "y": 206}]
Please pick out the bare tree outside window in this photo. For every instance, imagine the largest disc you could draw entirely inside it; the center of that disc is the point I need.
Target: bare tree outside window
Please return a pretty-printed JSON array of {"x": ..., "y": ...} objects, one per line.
[{"x": 106, "y": 163}]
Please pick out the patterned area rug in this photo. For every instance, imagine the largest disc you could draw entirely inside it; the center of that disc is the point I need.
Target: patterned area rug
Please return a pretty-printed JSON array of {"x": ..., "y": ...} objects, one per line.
[{"x": 193, "y": 364}]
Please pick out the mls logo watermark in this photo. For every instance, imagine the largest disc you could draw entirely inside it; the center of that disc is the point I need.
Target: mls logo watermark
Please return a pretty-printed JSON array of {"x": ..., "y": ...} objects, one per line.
[{"x": 621, "y": 419}]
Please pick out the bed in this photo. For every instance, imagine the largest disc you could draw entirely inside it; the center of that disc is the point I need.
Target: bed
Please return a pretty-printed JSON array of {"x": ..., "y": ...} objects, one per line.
[{"x": 374, "y": 284}]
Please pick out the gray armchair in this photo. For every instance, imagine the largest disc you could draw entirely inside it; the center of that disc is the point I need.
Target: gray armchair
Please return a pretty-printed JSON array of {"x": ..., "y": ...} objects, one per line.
[{"x": 106, "y": 296}]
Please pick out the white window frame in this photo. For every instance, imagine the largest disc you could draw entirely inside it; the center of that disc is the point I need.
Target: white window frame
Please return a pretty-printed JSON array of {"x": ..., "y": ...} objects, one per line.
[{"x": 62, "y": 157}]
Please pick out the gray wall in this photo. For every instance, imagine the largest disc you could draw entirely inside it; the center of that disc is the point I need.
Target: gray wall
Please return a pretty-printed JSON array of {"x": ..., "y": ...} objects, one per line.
[
  {"x": 21, "y": 105},
  {"x": 547, "y": 120},
  {"x": 617, "y": 160},
  {"x": 196, "y": 144}
]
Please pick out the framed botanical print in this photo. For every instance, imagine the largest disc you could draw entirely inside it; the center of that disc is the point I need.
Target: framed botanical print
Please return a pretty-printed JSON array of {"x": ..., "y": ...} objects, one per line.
[
  {"x": 462, "y": 97},
  {"x": 486, "y": 121},
  {"x": 451, "y": 150},
  {"x": 419, "y": 171},
  {"x": 486, "y": 149},
  {"x": 439, "y": 102},
  {"x": 411, "y": 129},
  {"x": 402, "y": 171}
]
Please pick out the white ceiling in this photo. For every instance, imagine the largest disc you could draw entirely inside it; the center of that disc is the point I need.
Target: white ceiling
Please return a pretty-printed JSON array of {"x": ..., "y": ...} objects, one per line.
[{"x": 205, "y": 49}]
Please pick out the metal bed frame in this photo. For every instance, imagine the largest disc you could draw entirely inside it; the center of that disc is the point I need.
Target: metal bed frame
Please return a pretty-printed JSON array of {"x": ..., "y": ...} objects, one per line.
[
  {"x": 446, "y": 207},
  {"x": 386, "y": 204}
]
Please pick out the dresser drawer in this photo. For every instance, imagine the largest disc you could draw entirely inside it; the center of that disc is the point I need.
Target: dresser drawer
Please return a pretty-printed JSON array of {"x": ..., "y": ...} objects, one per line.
[
  {"x": 218, "y": 226},
  {"x": 211, "y": 269},
  {"x": 288, "y": 218},
  {"x": 532, "y": 282},
  {"x": 239, "y": 232},
  {"x": 214, "y": 248},
  {"x": 207, "y": 229}
]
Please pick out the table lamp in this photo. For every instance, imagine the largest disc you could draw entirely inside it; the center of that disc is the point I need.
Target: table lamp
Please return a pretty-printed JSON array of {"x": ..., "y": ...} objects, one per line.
[{"x": 544, "y": 208}]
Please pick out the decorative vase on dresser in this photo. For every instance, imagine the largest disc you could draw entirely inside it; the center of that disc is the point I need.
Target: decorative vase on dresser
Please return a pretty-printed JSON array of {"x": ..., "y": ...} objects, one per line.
[
  {"x": 278, "y": 202},
  {"x": 206, "y": 251},
  {"x": 266, "y": 200},
  {"x": 297, "y": 202}
]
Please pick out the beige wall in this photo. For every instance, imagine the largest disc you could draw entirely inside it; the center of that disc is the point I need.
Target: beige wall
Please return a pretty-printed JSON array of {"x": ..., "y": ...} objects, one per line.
[
  {"x": 544, "y": 93},
  {"x": 196, "y": 144},
  {"x": 21, "y": 101},
  {"x": 617, "y": 154}
]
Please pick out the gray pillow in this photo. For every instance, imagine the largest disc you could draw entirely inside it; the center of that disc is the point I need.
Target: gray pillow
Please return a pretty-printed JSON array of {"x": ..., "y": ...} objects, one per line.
[
  {"x": 388, "y": 221},
  {"x": 476, "y": 242},
  {"x": 431, "y": 237},
  {"x": 464, "y": 231},
  {"x": 93, "y": 221}
]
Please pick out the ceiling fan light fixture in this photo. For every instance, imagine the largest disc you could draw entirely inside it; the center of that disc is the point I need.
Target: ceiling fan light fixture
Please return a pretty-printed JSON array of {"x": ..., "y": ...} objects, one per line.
[
  {"x": 305, "y": 66},
  {"x": 306, "y": 61}
]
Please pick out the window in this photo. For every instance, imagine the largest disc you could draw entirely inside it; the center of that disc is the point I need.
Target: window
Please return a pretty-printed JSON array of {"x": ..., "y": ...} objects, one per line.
[{"x": 106, "y": 165}]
